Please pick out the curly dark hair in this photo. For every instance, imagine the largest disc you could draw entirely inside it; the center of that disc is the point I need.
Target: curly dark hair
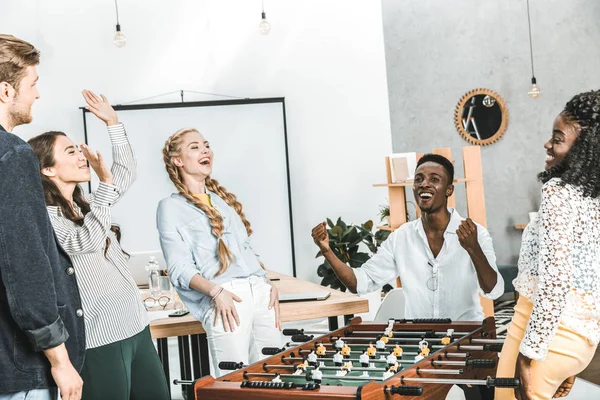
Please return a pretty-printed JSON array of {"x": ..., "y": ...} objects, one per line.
[
  {"x": 581, "y": 166},
  {"x": 441, "y": 160}
]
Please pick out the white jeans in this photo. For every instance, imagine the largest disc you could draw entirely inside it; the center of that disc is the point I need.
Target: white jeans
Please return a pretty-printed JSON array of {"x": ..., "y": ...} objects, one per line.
[
  {"x": 256, "y": 330},
  {"x": 35, "y": 394}
]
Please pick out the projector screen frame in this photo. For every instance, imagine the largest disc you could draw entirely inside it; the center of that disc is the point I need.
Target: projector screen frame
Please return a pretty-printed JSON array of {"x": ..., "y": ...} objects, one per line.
[{"x": 218, "y": 103}]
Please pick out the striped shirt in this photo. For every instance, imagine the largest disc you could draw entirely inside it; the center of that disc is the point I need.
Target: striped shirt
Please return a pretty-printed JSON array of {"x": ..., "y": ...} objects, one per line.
[{"x": 112, "y": 309}]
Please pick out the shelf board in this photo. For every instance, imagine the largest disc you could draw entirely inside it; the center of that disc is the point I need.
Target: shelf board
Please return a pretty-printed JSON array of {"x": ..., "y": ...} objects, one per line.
[
  {"x": 410, "y": 183},
  {"x": 385, "y": 228}
]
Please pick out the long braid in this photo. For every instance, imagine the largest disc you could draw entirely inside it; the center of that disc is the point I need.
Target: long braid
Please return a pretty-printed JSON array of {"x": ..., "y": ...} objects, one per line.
[
  {"x": 213, "y": 186},
  {"x": 172, "y": 149}
]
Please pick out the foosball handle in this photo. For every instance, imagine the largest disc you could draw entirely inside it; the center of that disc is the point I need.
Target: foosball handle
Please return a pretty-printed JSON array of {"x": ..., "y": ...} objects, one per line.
[
  {"x": 271, "y": 351},
  {"x": 302, "y": 338},
  {"x": 497, "y": 347},
  {"x": 425, "y": 321},
  {"x": 484, "y": 363},
  {"x": 292, "y": 332},
  {"x": 406, "y": 390},
  {"x": 230, "y": 365},
  {"x": 503, "y": 382}
]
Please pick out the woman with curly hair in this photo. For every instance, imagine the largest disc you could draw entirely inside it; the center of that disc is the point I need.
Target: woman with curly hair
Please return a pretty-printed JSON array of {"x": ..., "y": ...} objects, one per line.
[
  {"x": 556, "y": 325},
  {"x": 205, "y": 238}
]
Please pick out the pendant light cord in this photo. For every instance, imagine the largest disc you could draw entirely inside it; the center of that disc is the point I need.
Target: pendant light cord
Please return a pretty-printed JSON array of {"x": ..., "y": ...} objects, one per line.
[
  {"x": 530, "y": 43},
  {"x": 117, "y": 8}
]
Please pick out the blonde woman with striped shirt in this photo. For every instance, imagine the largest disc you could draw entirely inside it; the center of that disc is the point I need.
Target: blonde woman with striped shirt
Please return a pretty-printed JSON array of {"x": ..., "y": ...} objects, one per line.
[
  {"x": 120, "y": 361},
  {"x": 205, "y": 237}
]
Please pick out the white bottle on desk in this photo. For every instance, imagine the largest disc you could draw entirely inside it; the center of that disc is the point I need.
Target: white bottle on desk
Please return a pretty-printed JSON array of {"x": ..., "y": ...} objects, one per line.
[{"x": 153, "y": 277}]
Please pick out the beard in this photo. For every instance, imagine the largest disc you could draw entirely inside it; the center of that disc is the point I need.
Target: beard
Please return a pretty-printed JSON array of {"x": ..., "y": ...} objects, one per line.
[{"x": 19, "y": 113}]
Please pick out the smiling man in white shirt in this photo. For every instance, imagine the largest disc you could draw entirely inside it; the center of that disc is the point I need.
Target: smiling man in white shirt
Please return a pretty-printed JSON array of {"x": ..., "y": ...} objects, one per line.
[{"x": 443, "y": 260}]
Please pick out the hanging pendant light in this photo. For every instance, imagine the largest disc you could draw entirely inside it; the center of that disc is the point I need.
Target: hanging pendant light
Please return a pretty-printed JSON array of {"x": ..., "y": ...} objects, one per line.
[
  {"x": 119, "y": 40},
  {"x": 534, "y": 92},
  {"x": 264, "y": 26}
]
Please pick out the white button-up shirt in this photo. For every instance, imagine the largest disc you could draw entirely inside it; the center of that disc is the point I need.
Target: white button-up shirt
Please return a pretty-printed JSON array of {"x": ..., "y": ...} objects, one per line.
[{"x": 406, "y": 254}]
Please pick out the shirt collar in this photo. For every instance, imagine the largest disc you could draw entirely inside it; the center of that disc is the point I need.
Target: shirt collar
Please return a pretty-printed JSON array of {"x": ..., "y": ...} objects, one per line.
[
  {"x": 2, "y": 129},
  {"x": 453, "y": 224}
]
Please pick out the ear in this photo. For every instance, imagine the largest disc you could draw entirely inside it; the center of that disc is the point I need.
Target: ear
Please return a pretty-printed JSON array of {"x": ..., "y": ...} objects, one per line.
[
  {"x": 177, "y": 161},
  {"x": 449, "y": 190},
  {"x": 7, "y": 92},
  {"x": 50, "y": 172}
]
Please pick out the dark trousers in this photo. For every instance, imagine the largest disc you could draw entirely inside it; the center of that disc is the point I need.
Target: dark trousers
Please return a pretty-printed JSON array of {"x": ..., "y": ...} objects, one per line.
[
  {"x": 125, "y": 370},
  {"x": 477, "y": 392}
]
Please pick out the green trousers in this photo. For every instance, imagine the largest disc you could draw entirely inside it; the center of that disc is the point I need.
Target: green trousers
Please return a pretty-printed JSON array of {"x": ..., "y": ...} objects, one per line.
[{"x": 125, "y": 370}]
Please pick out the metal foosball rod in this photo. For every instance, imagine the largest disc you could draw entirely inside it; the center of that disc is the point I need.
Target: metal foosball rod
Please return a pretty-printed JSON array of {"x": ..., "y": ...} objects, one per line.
[
  {"x": 427, "y": 334},
  {"x": 374, "y": 339},
  {"x": 389, "y": 346},
  {"x": 486, "y": 341},
  {"x": 489, "y": 382},
  {"x": 306, "y": 376},
  {"x": 375, "y": 361},
  {"x": 495, "y": 347}
]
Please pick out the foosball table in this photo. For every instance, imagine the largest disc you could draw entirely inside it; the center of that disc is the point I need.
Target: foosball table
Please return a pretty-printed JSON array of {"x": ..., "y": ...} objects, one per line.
[{"x": 368, "y": 361}]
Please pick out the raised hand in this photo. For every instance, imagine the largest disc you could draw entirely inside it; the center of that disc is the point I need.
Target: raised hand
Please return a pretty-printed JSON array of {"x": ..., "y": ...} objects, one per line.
[
  {"x": 97, "y": 163},
  {"x": 467, "y": 234},
  {"x": 321, "y": 237},
  {"x": 226, "y": 311},
  {"x": 100, "y": 107}
]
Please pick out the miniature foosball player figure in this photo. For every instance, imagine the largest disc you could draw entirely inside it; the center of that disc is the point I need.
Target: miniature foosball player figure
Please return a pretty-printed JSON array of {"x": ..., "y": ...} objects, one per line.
[
  {"x": 317, "y": 375},
  {"x": 338, "y": 359},
  {"x": 398, "y": 351},
  {"x": 301, "y": 368},
  {"x": 339, "y": 344},
  {"x": 388, "y": 374},
  {"x": 424, "y": 347},
  {"x": 321, "y": 350},
  {"x": 277, "y": 378},
  {"x": 371, "y": 351},
  {"x": 346, "y": 350},
  {"x": 391, "y": 358},
  {"x": 394, "y": 368},
  {"x": 448, "y": 338},
  {"x": 381, "y": 342},
  {"x": 348, "y": 366},
  {"x": 364, "y": 359},
  {"x": 312, "y": 358}
]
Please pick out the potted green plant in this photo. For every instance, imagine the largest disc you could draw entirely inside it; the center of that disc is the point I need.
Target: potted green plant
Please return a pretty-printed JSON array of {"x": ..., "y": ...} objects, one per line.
[{"x": 345, "y": 241}]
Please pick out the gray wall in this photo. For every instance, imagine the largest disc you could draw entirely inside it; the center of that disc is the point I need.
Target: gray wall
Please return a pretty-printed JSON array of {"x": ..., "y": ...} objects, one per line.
[{"x": 437, "y": 50}]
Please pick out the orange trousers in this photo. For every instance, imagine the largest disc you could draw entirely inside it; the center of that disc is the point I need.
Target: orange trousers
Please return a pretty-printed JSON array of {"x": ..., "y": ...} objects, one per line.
[{"x": 568, "y": 355}]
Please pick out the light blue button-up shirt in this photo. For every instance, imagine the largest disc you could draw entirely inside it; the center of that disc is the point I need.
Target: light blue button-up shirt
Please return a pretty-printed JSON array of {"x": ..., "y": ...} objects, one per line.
[{"x": 190, "y": 248}]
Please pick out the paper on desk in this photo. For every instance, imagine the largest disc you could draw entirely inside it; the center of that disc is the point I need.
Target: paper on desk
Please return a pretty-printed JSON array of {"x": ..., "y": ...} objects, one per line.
[{"x": 152, "y": 315}]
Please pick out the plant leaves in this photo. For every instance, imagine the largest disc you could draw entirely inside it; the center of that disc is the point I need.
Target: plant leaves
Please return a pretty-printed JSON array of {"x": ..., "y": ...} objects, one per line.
[
  {"x": 330, "y": 223},
  {"x": 368, "y": 225}
]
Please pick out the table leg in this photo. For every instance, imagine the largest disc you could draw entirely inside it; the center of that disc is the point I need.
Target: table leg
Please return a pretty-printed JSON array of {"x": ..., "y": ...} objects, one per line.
[
  {"x": 200, "y": 362},
  {"x": 348, "y": 318},
  {"x": 333, "y": 323},
  {"x": 183, "y": 344},
  {"x": 163, "y": 353}
]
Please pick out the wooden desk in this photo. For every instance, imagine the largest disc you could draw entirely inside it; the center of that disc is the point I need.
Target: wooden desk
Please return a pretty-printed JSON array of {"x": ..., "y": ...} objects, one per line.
[{"x": 187, "y": 329}]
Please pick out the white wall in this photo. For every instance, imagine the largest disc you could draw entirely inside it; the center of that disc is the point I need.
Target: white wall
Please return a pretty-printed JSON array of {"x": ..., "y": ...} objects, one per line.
[{"x": 326, "y": 58}]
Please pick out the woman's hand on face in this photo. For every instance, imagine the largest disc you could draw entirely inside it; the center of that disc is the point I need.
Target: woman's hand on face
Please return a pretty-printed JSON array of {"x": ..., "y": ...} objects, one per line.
[
  {"x": 97, "y": 163},
  {"x": 225, "y": 310},
  {"x": 100, "y": 107}
]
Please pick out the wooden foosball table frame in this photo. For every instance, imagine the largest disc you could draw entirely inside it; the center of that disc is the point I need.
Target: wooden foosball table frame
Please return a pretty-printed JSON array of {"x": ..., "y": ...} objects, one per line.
[{"x": 473, "y": 356}]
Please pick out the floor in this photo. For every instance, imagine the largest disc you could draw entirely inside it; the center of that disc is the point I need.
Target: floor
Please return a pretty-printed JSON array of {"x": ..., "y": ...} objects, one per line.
[{"x": 583, "y": 389}]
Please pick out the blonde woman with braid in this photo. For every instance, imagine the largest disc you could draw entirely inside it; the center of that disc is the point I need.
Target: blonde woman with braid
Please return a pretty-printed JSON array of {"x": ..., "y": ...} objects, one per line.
[{"x": 205, "y": 238}]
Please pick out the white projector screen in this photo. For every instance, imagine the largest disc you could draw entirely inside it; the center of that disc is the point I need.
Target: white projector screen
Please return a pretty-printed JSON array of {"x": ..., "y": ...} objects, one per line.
[{"x": 248, "y": 138}]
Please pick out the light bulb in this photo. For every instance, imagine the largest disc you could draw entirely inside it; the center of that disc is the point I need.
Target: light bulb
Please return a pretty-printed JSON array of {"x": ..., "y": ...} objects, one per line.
[
  {"x": 489, "y": 101},
  {"x": 264, "y": 25},
  {"x": 534, "y": 92},
  {"x": 119, "y": 40}
]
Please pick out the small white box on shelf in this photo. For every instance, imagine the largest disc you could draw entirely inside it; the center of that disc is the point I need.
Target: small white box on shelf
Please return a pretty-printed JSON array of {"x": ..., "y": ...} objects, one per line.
[{"x": 402, "y": 166}]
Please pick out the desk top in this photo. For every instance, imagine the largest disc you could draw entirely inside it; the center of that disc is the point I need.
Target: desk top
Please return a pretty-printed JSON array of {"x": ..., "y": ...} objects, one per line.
[{"x": 339, "y": 303}]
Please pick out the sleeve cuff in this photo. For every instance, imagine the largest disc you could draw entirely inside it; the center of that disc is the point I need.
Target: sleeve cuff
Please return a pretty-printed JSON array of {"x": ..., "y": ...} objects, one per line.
[
  {"x": 184, "y": 279},
  {"x": 106, "y": 194},
  {"x": 117, "y": 134},
  {"x": 362, "y": 285},
  {"x": 48, "y": 336},
  {"x": 497, "y": 291}
]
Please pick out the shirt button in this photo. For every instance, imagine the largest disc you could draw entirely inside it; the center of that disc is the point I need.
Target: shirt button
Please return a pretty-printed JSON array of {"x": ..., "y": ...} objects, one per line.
[
  {"x": 79, "y": 313},
  {"x": 70, "y": 271}
]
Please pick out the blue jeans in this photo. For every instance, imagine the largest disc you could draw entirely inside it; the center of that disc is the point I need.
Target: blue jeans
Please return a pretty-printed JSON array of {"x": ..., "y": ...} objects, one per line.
[{"x": 35, "y": 394}]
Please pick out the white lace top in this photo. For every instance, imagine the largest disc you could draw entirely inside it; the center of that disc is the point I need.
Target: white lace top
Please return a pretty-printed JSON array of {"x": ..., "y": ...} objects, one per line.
[{"x": 559, "y": 268}]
